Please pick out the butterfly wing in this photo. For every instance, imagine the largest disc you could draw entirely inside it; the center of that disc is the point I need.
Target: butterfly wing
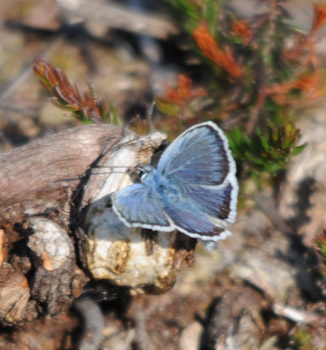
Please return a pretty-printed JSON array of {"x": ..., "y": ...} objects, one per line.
[
  {"x": 136, "y": 206},
  {"x": 197, "y": 172},
  {"x": 218, "y": 202},
  {"x": 187, "y": 217},
  {"x": 200, "y": 156}
]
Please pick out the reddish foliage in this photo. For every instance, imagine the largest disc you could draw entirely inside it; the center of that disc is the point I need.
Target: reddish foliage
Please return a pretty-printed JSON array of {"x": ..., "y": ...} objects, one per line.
[
  {"x": 223, "y": 59},
  {"x": 310, "y": 85},
  {"x": 82, "y": 106},
  {"x": 241, "y": 29},
  {"x": 304, "y": 50},
  {"x": 183, "y": 92},
  {"x": 319, "y": 17}
]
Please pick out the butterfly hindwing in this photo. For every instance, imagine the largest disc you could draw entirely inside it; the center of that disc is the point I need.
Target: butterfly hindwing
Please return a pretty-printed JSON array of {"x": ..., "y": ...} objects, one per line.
[
  {"x": 216, "y": 201},
  {"x": 188, "y": 218}
]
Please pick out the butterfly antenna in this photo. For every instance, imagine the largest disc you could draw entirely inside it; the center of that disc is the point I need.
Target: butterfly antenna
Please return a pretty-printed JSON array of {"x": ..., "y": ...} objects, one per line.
[
  {"x": 150, "y": 116},
  {"x": 110, "y": 166}
]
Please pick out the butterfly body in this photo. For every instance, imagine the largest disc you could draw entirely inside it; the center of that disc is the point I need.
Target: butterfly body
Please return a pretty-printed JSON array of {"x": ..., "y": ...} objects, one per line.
[{"x": 193, "y": 189}]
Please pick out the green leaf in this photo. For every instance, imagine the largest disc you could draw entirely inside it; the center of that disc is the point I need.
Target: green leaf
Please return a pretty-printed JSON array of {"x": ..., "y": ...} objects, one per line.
[
  {"x": 210, "y": 12},
  {"x": 298, "y": 149},
  {"x": 264, "y": 143},
  {"x": 115, "y": 118}
]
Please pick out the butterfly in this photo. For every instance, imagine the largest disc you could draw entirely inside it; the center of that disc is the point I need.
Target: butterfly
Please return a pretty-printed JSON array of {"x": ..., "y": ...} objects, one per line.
[{"x": 193, "y": 188}]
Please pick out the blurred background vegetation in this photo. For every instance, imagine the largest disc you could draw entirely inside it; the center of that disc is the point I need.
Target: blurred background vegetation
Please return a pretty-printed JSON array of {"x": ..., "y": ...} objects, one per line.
[{"x": 256, "y": 68}]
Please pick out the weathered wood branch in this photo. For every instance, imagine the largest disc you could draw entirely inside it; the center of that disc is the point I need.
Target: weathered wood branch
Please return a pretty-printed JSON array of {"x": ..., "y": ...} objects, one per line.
[
  {"x": 38, "y": 182},
  {"x": 55, "y": 199},
  {"x": 45, "y": 166}
]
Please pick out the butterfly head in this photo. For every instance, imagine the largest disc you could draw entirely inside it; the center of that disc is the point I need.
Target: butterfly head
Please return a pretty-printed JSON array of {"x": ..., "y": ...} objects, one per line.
[{"x": 143, "y": 171}]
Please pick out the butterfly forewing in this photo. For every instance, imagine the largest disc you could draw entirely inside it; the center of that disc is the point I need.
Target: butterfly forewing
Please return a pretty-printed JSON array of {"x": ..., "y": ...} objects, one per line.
[
  {"x": 137, "y": 207},
  {"x": 198, "y": 156}
]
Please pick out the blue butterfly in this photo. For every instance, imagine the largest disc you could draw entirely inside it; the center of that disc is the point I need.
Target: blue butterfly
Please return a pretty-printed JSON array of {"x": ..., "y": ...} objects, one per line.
[{"x": 193, "y": 189}]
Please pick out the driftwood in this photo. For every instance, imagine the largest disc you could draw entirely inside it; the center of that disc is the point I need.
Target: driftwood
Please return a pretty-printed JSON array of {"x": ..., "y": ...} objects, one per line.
[
  {"x": 58, "y": 229},
  {"x": 47, "y": 169},
  {"x": 37, "y": 184}
]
